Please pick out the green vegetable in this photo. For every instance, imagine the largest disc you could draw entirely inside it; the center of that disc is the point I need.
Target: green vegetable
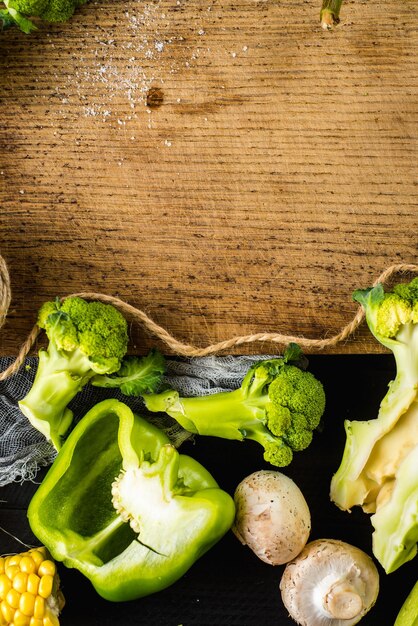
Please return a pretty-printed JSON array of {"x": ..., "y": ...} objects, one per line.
[
  {"x": 395, "y": 522},
  {"x": 85, "y": 339},
  {"x": 137, "y": 534},
  {"x": 408, "y": 615},
  {"x": 279, "y": 405},
  {"x": 19, "y": 12},
  {"x": 137, "y": 375},
  {"x": 378, "y": 470},
  {"x": 330, "y": 13}
]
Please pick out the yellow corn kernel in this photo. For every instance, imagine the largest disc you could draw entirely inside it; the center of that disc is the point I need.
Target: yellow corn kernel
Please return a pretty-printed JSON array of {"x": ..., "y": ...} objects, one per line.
[
  {"x": 37, "y": 555},
  {"x": 7, "y": 611},
  {"x": 20, "y": 619},
  {"x": 5, "y": 586},
  {"x": 27, "y": 581},
  {"x": 13, "y": 598},
  {"x": 43, "y": 551},
  {"x": 20, "y": 582},
  {"x": 51, "y": 619},
  {"x": 39, "y": 607},
  {"x": 11, "y": 571},
  {"x": 47, "y": 568},
  {"x": 27, "y": 603},
  {"x": 14, "y": 559},
  {"x": 27, "y": 565},
  {"x": 45, "y": 586},
  {"x": 33, "y": 584}
]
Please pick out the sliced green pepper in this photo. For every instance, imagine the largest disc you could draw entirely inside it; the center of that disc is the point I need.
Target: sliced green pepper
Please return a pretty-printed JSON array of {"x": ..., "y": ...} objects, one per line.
[{"x": 138, "y": 533}]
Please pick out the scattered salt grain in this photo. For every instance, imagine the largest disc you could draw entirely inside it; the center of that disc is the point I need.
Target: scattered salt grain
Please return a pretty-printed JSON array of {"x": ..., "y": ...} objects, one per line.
[{"x": 112, "y": 79}]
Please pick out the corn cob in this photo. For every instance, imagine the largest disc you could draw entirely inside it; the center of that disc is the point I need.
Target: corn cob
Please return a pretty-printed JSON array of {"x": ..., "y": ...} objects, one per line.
[{"x": 29, "y": 589}]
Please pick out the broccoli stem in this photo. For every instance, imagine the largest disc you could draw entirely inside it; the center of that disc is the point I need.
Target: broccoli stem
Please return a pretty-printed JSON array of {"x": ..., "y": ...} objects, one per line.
[
  {"x": 330, "y": 13},
  {"x": 349, "y": 486},
  {"x": 55, "y": 385},
  {"x": 228, "y": 414}
]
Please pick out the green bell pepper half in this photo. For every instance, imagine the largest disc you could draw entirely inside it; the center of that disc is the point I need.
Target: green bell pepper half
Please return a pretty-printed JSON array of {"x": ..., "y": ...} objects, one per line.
[{"x": 120, "y": 504}]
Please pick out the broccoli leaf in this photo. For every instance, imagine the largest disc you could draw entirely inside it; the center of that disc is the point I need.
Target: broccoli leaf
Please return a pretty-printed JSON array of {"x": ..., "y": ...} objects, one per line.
[
  {"x": 11, "y": 17},
  {"x": 137, "y": 375}
]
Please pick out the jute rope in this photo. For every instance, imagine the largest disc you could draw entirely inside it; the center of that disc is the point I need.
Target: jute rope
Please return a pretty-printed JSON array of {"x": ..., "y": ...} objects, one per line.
[
  {"x": 184, "y": 349},
  {"x": 5, "y": 291}
]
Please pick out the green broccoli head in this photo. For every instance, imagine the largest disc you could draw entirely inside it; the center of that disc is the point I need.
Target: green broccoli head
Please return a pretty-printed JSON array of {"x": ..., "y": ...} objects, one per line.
[
  {"x": 29, "y": 7},
  {"x": 19, "y": 12},
  {"x": 388, "y": 312},
  {"x": 408, "y": 292},
  {"x": 278, "y": 404},
  {"x": 97, "y": 330},
  {"x": 292, "y": 402},
  {"x": 85, "y": 339},
  {"x": 58, "y": 10},
  {"x": 300, "y": 393},
  {"x": 276, "y": 452}
]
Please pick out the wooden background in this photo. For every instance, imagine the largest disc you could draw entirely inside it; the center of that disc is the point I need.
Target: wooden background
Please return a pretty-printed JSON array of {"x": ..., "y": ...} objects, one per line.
[{"x": 228, "y": 167}]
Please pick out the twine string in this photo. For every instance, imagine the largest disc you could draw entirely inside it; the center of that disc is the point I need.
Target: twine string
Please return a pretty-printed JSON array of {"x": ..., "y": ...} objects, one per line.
[
  {"x": 5, "y": 291},
  {"x": 184, "y": 349}
]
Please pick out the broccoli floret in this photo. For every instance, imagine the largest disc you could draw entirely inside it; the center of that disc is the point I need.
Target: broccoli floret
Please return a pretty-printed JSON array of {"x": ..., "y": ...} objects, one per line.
[
  {"x": 376, "y": 449},
  {"x": 278, "y": 405},
  {"x": 19, "y": 12},
  {"x": 85, "y": 339}
]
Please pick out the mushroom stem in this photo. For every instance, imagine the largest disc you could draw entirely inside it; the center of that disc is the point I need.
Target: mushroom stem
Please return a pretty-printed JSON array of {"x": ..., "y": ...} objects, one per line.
[
  {"x": 342, "y": 602},
  {"x": 329, "y": 583}
]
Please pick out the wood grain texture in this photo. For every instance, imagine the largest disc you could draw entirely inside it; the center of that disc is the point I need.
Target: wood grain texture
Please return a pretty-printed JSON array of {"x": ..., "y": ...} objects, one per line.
[{"x": 228, "y": 167}]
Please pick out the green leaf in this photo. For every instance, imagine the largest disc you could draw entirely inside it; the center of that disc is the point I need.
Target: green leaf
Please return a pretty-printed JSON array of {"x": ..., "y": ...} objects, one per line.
[
  {"x": 371, "y": 296},
  {"x": 10, "y": 18},
  {"x": 136, "y": 376},
  {"x": 294, "y": 356},
  {"x": 292, "y": 352},
  {"x": 6, "y": 19}
]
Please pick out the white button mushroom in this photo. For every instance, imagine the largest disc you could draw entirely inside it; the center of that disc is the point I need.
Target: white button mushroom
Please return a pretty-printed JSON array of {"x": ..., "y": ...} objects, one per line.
[
  {"x": 272, "y": 516},
  {"x": 330, "y": 583}
]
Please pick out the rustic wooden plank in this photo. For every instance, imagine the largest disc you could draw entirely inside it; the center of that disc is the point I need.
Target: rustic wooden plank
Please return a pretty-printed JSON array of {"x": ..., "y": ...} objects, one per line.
[{"x": 228, "y": 167}]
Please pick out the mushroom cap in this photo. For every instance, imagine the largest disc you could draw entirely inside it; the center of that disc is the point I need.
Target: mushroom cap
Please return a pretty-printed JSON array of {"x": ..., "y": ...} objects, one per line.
[
  {"x": 330, "y": 583},
  {"x": 272, "y": 516}
]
